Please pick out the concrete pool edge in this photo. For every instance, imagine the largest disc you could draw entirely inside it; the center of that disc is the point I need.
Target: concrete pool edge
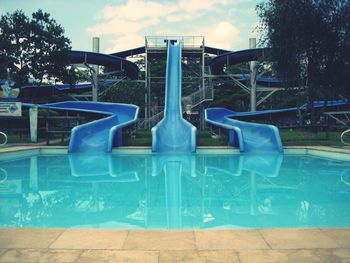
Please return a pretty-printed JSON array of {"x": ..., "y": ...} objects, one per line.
[
  {"x": 320, "y": 151},
  {"x": 92, "y": 245},
  {"x": 287, "y": 149}
]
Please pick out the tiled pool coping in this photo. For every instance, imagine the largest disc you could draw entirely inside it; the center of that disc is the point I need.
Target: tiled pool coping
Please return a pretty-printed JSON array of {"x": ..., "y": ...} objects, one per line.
[
  {"x": 253, "y": 245},
  {"x": 320, "y": 151},
  {"x": 92, "y": 245}
]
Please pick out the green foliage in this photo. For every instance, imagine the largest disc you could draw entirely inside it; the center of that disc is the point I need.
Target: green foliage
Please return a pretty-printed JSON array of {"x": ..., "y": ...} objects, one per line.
[
  {"x": 144, "y": 138},
  {"x": 46, "y": 112},
  {"x": 310, "y": 42},
  {"x": 204, "y": 138},
  {"x": 35, "y": 48},
  {"x": 126, "y": 92},
  {"x": 229, "y": 96},
  {"x": 14, "y": 46},
  {"x": 307, "y": 138}
]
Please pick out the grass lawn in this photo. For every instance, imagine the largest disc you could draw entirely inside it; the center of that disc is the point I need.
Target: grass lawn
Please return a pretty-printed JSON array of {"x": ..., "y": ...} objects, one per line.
[
  {"x": 144, "y": 138},
  {"x": 307, "y": 138},
  {"x": 25, "y": 138}
]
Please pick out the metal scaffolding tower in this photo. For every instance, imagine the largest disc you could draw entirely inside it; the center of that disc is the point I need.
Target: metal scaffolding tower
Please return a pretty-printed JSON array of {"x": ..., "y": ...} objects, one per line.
[{"x": 196, "y": 87}]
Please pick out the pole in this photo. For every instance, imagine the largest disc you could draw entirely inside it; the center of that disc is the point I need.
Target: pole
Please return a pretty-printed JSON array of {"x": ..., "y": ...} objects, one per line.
[
  {"x": 202, "y": 120},
  {"x": 96, "y": 49},
  {"x": 33, "y": 122},
  {"x": 252, "y": 65}
]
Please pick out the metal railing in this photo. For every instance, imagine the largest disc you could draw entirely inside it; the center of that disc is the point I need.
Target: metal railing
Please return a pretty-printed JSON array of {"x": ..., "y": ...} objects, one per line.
[
  {"x": 342, "y": 137},
  {"x": 199, "y": 97},
  {"x": 5, "y": 140},
  {"x": 186, "y": 41},
  {"x": 188, "y": 102}
]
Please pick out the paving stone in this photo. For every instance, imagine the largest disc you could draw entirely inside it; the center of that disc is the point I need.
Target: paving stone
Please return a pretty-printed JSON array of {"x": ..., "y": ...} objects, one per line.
[
  {"x": 159, "y": 240},
  {"x": 40, "y": 256},
  {"x": 90, "y": 239},
  {"x": 297, "y": 238},
  {"x": 295, "y": 256},
  {"x": 194, "y": 256},
  {"x": 318, "y": 256},
  {"x": 229, "y": 239},
  {"x": 340, "y": 235},
  {"x": 263, "y": 256},
  {"x": 117, "y": 256},
  {"x": 28, "y": 237}
]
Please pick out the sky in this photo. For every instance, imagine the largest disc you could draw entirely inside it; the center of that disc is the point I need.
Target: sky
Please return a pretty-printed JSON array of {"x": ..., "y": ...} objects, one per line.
[{"x": 123, "y": 24}]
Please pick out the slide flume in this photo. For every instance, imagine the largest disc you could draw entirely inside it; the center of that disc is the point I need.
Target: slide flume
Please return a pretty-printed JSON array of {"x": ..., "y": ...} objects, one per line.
[
  {"x": 99, "y": 135},
  {"x": 173, "y": 133},
  {"x": 248, "y": 136}
]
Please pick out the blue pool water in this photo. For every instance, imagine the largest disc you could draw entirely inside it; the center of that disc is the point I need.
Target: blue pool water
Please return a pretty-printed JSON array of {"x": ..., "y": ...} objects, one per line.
[{"x": 174, "y": 191}]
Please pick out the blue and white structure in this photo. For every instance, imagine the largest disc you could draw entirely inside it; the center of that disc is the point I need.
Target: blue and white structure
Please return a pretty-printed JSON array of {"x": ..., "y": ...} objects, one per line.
[{"x": 173, "y": 133}]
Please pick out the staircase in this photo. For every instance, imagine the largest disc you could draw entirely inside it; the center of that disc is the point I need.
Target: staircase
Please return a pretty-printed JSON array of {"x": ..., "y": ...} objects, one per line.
[{"x": 188, "y": 103}]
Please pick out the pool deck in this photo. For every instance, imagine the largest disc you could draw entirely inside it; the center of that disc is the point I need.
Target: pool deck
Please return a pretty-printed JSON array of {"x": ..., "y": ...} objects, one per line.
[{"x": 241, "y": 246}]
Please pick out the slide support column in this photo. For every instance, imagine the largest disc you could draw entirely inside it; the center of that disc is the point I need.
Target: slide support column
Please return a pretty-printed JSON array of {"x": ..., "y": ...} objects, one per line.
[
  {"x": 252, "y": 64},
  {"x": 95, "y": 48}
]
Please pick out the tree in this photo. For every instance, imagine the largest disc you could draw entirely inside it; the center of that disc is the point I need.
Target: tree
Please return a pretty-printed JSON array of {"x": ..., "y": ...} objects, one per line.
[
  {"x": 49, "y": 52},
  {"x": 35, "y": 47},
  {"x": 14, "y": 46},
  {"x": 309, "y": 42},
  {"x": 126, "y": 92}
]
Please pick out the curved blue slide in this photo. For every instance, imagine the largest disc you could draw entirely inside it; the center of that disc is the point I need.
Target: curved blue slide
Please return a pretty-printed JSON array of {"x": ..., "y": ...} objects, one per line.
[
  {"x": 80, "y": 57},
  {"x": 234, "y": 57},
  {"x": 130, "y": 68},
  {"x": 99, "y": 135},
  {"x": 248, "y": 136},
  {"x": 173, "y": 133}
]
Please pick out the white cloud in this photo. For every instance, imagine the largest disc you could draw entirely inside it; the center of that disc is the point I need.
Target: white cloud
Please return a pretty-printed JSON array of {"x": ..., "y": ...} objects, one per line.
[
  {"x": 136, "y": 9},
  {"x": 222, "y": 35},
  {"x": 192, "y": 6},
  {"x": 125, "y": 26},
  {"x": 128, "y": 23},
  {"x": 123, "y": 43},
  {"x": 174, "y": 18},
  {"x": 241, "y": 12},
  {"x": 115, "y": 26}
]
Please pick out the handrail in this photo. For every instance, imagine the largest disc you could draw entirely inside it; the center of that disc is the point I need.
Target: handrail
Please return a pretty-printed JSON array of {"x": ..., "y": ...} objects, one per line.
[
  {"x": 194, "y": 99},
  {"x": 2, "y": 144},
  {"x": 342, "y": 135}
]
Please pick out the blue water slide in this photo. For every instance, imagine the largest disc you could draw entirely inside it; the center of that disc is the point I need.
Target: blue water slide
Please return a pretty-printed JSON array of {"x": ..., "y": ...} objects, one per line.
[
  {"x": 129, "y": 52},
  {"x": 173, "y": 133},
  {"x": 48, "y": 90},
  {"x": 80, "y": 57},
  {"x": 114, "y": 62},
  {"x": 234, "y": 57},
  {"x": 317, "y": 104},
  {"x": 99, "y": 135},
  {"x": 249, "y": 137}
]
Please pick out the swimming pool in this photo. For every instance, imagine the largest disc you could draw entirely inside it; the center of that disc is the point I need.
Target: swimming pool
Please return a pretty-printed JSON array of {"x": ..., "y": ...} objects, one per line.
[{"x": 140, "y": 190}]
